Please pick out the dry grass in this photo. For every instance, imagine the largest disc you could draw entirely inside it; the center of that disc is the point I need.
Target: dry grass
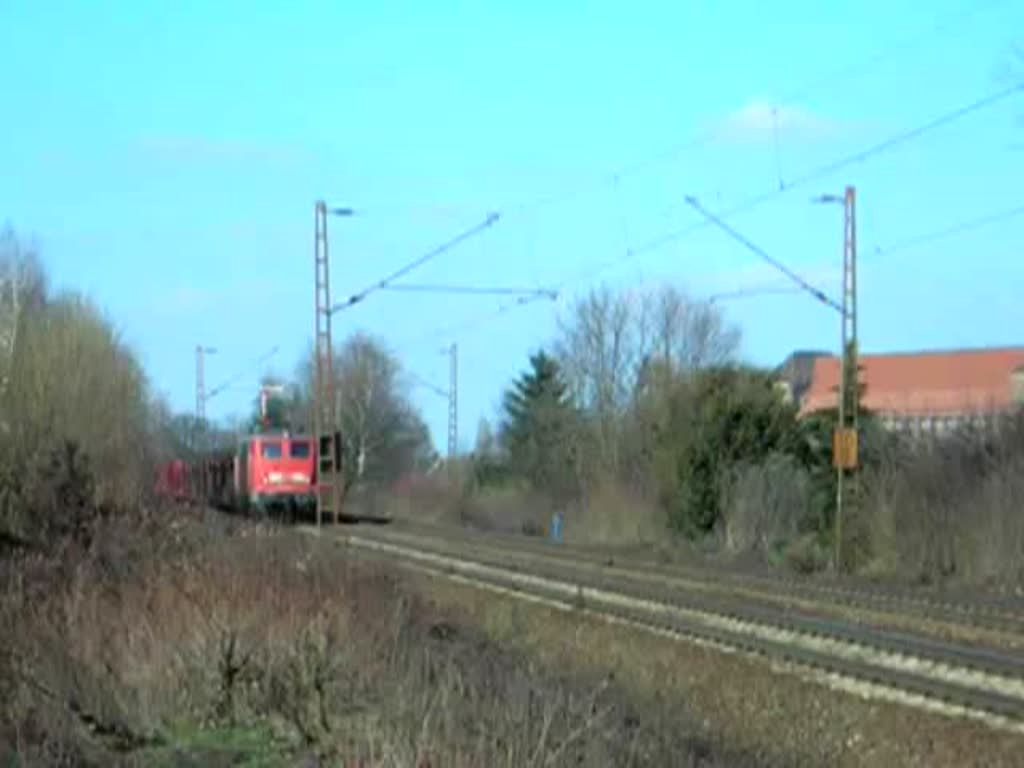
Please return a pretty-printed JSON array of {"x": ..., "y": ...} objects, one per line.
[
  {"x": 163, "y": 642},
  {"x": 435, "y": 498},
  {"x": 612, "y": 515},
  {"x": 508, "y": 509},
  {"x": 439, "y": 499},
  {"x": 609, "y": 514}
]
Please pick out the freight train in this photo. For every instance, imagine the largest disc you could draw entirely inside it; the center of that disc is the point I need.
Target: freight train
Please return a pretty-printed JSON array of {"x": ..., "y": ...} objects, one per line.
[{"x": 267, "y": 474}]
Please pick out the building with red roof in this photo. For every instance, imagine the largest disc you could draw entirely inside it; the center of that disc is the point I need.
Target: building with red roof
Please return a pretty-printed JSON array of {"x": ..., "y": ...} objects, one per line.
[{"x": 934, "y": 391}]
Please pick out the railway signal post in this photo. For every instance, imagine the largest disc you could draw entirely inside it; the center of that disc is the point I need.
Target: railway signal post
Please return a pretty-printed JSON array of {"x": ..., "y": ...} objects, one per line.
[{"x": 325, "y": 413}]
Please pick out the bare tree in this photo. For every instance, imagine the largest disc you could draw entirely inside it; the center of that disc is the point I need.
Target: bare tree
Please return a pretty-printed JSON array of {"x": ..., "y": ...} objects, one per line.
[
  {"x": 21, "y": 284},
  {"x": 486, "y": 444},
  {"x": 77, "y": 420},
  {"x": 365, "y": 398},
  {"x": 611, "y": 345},
  {"x": 75, "y": 380},
  {"x": 689, "y": 334},
  {"x": 598, "y": 360},
  {"x": 384, "y": 435}
]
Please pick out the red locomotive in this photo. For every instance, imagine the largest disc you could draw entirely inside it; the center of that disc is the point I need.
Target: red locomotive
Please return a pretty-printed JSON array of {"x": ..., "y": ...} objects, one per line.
[{"x": 267, "y": 473}]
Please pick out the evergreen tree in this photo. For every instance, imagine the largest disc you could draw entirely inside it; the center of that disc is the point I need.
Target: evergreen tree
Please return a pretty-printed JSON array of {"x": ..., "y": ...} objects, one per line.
[
  {"x": 538, "y": 427},
  {"x": 489, "y": 468},
  {"x": 854, "y": 382},
  {"x": 816, "y": 431},
  {"x": 715, "y": 419}
]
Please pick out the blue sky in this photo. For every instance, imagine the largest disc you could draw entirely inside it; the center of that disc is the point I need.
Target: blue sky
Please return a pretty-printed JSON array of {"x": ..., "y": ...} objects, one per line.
[{"x": 167, "y": 158}]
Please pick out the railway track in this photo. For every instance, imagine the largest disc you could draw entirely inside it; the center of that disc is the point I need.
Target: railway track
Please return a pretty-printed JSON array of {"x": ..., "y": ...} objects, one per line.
[
  {"x": 994, "y": 614},
  {"x": 954, "y": 678}
]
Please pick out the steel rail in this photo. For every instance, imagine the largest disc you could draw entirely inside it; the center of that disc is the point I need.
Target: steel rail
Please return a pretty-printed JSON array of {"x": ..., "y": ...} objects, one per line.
[
  {"x": 984, "y": 660},
  {"x": 940, "y": 674},
  {"x": 1003, "y": 615}
]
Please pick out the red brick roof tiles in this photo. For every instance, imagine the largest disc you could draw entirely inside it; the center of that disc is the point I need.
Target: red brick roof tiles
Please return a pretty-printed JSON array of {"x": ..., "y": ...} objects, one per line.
[{"x": 945, "y": 382}]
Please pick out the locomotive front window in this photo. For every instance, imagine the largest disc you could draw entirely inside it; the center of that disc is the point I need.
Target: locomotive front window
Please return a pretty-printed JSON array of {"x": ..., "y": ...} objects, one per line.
[
  {"x": 299, "y": 450},
  {"x": 271, "y": 450}
]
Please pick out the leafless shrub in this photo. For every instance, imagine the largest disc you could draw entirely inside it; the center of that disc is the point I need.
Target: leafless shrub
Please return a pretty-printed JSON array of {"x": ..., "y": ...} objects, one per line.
[
  {"x": 993, "y": 544},
  {"x": 331, "y": 658},
  {"x": 103, "y": 406},
  {"x": 75, "y": 413},
  {"x": 950, "y": 509},
  {"x": 766, "y": 503},
  {"x": 309, "y": 683},
  {"x": 456, "y": 702}
]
